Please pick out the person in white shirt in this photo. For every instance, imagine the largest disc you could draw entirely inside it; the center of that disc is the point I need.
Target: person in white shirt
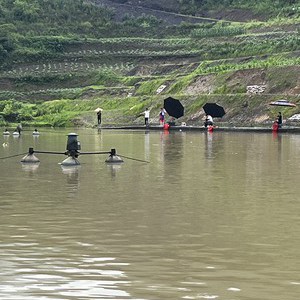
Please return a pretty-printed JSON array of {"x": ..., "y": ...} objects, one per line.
[{"x": 147, "y": 116}]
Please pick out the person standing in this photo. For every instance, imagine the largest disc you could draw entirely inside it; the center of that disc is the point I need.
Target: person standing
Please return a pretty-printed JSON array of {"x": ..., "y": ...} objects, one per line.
[
  {"x": 279, "y": 119},
  {"x": 99, "y": 115},
  {"x": 147, "y": 116},
  {"x": 19, "y": 128},
  {"x": 162, "y": 116}
]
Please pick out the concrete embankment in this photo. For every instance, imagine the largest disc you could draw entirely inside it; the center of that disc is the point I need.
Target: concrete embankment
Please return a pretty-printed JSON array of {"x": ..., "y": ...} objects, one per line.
[{"x": 203, "y": 129}]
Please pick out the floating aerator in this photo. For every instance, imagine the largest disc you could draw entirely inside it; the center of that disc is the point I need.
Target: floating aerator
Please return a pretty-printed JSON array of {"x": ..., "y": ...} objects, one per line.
[
  {"x": 30, "y": 157},
  {"x": 73, "y": 147},
  {"x": 113, "y": 158}
]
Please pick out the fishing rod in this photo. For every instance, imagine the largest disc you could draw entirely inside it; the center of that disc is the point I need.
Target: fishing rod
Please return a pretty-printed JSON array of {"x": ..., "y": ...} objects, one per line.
[
  {"x": 15, "y": 155},
  {"x": 136, "y": 159}
]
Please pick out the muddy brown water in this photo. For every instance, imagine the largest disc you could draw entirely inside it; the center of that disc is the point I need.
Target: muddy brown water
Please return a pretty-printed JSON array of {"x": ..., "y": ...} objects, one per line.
[{"x": 212, "y": 216}]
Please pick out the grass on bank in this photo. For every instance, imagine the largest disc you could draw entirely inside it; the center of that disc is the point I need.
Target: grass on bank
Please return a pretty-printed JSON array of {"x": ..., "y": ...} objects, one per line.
[
  {"x": 240, "y": 109},
  {"x": 220, "y": 49}
]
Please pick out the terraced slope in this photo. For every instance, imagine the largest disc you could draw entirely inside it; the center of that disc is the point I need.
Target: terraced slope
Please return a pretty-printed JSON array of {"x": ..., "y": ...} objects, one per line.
[
  {"x": 215, "y": 61},
  {"x": 136, "y": 9},
  {"x": 169, "y": 11},
  {"x": 209, "y": 50}
]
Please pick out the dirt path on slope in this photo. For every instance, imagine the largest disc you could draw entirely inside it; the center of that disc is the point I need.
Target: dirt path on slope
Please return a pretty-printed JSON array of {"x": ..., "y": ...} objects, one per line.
[{"x": 136, "y": 11}]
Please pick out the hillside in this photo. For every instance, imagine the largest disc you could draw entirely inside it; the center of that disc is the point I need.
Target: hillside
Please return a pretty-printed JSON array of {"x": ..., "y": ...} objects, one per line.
[
  {"x": 135, "y": 56},
  {"x": 174, "y": 12},
  {"x": 169, "y": 14}
]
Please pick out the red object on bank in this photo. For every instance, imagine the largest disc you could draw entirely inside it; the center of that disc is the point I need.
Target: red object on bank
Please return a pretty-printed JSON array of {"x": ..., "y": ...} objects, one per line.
[
  {"x": 166, "y": 126},
  {"x": 275, "y": 126}
]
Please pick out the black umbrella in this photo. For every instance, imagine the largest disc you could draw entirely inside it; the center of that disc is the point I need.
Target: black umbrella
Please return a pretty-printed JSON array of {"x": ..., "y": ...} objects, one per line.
[
  {"x": 213, "y": 109},
  {"x": 173, "y": 107},
  {"x": 283, "y": 103}
]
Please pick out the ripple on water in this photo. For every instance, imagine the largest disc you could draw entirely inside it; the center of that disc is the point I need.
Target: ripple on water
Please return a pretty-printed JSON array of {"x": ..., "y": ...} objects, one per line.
[{"x": 201, "y": 296}]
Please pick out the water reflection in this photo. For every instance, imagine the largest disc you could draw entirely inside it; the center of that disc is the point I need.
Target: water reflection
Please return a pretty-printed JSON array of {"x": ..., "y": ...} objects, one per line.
[
  {"x": 163, "y": 136},
  {"x": 278, "y": 140},
  {"x": 5, "y": 137},
  {"x": 35, "y": 140},
  {"x": 72, "y": 175},
  {"x": 114, "y": 168},
  {"x": 31, "y": 168},
  {"x": 227, "y": 229},
  {"x": 214, "y": 143},
  {"x": 209, "y": 145},
  {"x": 173, "y": 147},
  {"x": 275, "y": 135},
  {"x": 99, "y": 138},
  {"x": 5, "y": 143},
  {"x": 147, "y": 145}
]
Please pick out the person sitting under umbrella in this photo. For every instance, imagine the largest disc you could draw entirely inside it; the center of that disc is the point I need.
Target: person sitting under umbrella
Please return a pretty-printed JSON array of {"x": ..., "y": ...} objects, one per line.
[
  {"x": 172, "y": 121},
  {"x": 208, "y": 121}
]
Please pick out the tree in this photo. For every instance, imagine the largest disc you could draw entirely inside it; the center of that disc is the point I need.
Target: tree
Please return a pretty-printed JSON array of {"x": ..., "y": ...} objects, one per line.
[{"x": 26, "y": 10}]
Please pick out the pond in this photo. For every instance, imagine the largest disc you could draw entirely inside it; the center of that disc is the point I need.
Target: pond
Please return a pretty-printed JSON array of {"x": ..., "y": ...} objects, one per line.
[{"x": 206, "y": 216}]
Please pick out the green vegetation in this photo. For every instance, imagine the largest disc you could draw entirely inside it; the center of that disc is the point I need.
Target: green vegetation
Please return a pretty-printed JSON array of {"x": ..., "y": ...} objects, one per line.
[
  {"x": 266, "y": 7},
  {"x": 218, "y": 31},
  {"x": 59, "y": 59},
  {"x": 263, "y": 62}
]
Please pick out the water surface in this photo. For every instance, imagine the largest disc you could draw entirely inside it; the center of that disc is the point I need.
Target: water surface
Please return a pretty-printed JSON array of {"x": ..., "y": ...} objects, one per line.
[{"x": 212, "y": 216}]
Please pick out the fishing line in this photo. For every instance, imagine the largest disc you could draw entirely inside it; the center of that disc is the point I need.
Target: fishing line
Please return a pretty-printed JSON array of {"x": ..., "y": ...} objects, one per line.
[
  {"x": 134, "y": 158},
  {"x": 15, "y": 155}
]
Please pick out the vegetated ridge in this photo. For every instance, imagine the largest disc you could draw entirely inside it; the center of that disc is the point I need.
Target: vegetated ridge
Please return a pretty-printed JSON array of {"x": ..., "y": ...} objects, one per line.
[{"x": 125, "y": 56}]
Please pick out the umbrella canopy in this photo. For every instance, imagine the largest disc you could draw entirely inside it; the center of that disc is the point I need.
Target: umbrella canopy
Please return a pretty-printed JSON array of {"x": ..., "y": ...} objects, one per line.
[
  {"x": 98, "y": 109},
  {"x": 282, "y": 103},
  {"x": 295, "y": 117},
  {"x": 213, "y": 109},
  {"x": 173, "y": 107}
]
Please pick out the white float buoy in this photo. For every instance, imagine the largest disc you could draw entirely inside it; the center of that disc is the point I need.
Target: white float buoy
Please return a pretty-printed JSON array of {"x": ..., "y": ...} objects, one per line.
[
  {"x": 70, "y": 161},
  {"x": 114, "y": 158},
  {"x": 30, "y": 158},
  {"x": 30, "y": 167},
  {"x": 35, "y": 132}
]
